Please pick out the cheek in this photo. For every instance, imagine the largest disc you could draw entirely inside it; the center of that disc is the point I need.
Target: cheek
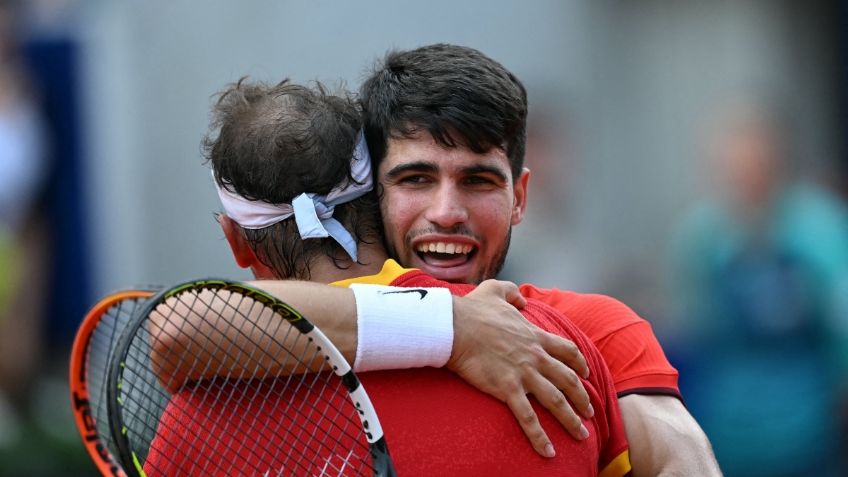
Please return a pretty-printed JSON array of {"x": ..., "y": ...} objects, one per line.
[
  {"x": 399, "y": 209},
  {"x": 397, "y": 215},
  {"x": 494, "y": 215},
  {"x": 495, "y": 228}
]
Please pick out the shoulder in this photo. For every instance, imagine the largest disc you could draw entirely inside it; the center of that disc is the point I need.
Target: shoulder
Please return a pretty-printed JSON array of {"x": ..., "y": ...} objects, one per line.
[
  {"x": 625, "y": 340},
  {"x": 596, "y": 315}
]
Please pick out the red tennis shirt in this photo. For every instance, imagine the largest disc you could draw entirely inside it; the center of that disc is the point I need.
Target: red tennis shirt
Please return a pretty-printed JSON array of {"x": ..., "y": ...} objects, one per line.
[{"x": 434, "y": 422}]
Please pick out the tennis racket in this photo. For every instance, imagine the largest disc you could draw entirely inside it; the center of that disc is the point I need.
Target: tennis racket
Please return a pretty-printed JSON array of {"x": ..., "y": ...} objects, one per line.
[
  {"x": 218, "y": 378},
  {"x": 90, "y": 355}
]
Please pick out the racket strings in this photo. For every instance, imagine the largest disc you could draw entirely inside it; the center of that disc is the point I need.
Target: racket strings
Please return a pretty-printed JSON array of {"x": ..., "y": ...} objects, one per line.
[
  {"x": 218, "y": 397},
  {"x": 330, "y": 413},
  {"x": 252, "y": 407},
  {"x": 328, "y": 378},
  {"x": 98, "y": 355},
  {"x": 97, "y": 359},
  {"x": 206, "y": 336},
  {"x": 345, "y": 420},
  {"x": 301, "y": 360},
  {"x": 206, "y": 339},
  {"x": 214, "y": 421}
]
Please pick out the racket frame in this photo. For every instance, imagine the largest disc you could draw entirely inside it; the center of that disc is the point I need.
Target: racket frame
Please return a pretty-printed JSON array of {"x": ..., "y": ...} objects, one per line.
[{"x": 94, "y": 443}]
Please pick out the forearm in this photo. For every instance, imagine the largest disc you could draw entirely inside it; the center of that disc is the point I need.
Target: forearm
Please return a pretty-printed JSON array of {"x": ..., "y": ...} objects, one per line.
[
  {"x": 332, "y": 309},
  {"x": 396, "y": 328},
  {"x": 237, "y": 325},
  {"x": 664, "y": 439}
]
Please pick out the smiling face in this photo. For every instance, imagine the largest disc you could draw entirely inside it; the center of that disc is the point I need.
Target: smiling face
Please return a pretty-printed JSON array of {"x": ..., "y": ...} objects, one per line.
[{"x": 449, "y": 211}]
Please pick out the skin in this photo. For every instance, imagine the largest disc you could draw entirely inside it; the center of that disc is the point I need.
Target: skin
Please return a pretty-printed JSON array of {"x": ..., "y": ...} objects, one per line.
[
  {"x": 665, "y": 440},
  {"x": 433, "y": 196},
  {"x": 451, "y": 199}
]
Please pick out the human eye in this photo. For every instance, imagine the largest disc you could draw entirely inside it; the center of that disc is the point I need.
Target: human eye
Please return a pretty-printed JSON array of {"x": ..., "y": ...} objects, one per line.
[
  {"x": 414, "y": 179},
  {"x": 479, "y": 181}
]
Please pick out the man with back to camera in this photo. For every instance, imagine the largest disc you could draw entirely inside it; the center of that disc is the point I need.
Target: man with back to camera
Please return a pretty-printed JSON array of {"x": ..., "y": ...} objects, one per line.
[{"x": 435, "y": 424}]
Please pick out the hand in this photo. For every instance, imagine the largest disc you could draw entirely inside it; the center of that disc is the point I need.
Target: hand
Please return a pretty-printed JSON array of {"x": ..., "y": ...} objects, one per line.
[{"x": 499, "y": 352}]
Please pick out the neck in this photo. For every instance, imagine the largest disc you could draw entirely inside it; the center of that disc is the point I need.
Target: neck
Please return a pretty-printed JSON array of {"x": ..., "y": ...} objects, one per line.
[{"x": 371, "y": 258}]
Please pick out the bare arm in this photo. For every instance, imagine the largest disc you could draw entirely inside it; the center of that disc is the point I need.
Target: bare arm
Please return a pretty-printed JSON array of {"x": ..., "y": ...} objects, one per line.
[
  {"x": 495, "y": 349},
  {"x": 665, "y": 440},
  {"x": 183, "y": 327}
]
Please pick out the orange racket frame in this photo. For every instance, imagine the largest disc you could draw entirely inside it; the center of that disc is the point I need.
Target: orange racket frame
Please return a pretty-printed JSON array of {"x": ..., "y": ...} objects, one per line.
[{"x": 106, "y": 463}]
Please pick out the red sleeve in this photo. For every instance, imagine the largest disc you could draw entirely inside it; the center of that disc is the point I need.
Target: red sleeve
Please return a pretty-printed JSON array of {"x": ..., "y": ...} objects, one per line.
[{"x": 625, "y": 340}]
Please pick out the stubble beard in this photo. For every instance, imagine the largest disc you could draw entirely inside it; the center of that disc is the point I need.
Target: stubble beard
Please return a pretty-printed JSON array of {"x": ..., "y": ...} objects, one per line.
[{"x": 493, "y": 269}]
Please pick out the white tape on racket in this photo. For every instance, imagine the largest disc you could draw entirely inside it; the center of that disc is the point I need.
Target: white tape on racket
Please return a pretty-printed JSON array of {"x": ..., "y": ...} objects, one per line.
[{"x": 357, "y": 394}]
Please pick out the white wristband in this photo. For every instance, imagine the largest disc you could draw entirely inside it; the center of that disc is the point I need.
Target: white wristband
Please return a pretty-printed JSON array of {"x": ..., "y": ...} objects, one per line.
[{"x": 401, "y": 328}]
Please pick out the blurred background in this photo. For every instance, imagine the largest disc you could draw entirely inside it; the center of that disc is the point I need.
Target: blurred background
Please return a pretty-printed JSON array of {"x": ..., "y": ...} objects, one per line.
[{"x": 688, "y": 158}]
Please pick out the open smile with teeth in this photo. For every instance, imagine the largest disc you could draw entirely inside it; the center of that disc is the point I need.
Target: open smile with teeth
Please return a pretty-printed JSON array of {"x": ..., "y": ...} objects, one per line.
[
  {"x": 444, "y": 247},
  {"x": 445, "y": 254}
]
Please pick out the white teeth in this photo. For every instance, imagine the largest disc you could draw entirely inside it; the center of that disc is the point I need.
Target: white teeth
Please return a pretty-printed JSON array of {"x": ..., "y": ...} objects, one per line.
[{"x": 443, "y": 247}]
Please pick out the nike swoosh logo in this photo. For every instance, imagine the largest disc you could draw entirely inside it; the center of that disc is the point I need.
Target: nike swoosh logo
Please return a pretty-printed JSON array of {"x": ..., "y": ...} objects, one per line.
[{"x": 411, "y": 290}]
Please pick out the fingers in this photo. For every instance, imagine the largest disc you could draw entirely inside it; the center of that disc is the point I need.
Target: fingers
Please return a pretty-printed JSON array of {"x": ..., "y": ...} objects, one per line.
[
  {"x": 529, "y": 422},
  {"x": 560, "y": 382},
  {"x": 514, "y": 296},
  {"x": 508, "y": 291},
  {"x": 556, "y": 403},
  {"x": 527, "y": 360},
  {"x": 565, "y": 351},
  {"x": 562, "y": 371}
]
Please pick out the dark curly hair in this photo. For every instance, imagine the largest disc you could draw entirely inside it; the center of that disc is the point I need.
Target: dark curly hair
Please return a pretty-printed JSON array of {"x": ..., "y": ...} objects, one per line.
[
  {"x": 272, "y": 143},
  {"x": 457, "y": 94}
]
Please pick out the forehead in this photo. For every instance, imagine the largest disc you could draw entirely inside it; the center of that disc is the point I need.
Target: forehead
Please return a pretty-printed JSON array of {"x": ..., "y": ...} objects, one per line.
[{"x": 423, "y": 149}]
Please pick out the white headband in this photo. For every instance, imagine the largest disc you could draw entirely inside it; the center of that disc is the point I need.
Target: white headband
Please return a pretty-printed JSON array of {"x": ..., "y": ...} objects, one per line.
[{"x": 312, "y": 213}]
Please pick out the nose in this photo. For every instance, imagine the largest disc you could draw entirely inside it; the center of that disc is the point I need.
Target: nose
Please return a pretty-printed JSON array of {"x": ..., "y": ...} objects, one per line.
[{"x": 446, "y": 207}]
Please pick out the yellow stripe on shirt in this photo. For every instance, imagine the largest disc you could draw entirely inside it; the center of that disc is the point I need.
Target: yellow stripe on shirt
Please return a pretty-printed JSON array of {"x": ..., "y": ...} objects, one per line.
[{"x": 618, "y": 467}]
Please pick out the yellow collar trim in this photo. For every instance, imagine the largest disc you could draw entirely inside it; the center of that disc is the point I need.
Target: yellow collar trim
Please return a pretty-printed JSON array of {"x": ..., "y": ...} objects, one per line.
[{"x": 390, "y": 271}]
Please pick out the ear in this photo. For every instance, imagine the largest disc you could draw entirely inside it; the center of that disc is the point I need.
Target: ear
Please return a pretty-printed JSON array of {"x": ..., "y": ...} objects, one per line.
[
  {"x": 519, "y": 201},
  {"x": 244, "y": 255},
  {"x": 242, "y": 252}
]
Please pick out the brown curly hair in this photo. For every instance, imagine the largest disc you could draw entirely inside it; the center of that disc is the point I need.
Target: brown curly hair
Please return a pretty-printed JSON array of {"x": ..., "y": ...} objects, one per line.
[{"x": 272, "y": 143}]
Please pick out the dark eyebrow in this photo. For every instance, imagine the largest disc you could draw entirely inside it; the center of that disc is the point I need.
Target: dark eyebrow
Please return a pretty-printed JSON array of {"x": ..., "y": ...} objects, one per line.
[
  {"x": 401, "y": 169},
  {"x": 485, "y": 169}
]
